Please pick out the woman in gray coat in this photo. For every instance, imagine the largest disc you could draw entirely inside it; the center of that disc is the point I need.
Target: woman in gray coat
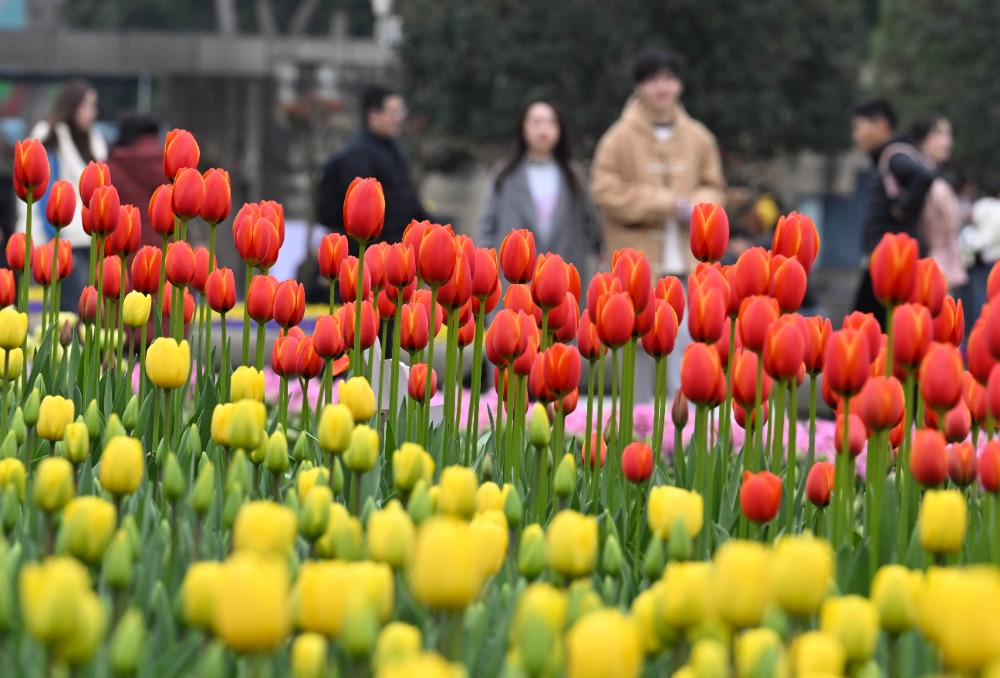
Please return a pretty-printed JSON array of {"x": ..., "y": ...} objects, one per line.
[{"x": 538, "y": 188}]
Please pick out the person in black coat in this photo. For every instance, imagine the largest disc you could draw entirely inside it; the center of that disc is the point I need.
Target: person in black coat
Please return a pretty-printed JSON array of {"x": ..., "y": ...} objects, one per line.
[
  {"x": 873, "y": 125},
  {"x": 372, "y": 151}
]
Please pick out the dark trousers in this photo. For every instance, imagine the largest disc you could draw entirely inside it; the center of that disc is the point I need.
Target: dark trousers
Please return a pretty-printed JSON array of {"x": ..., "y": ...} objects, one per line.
[{"x": 865, "y": 300}]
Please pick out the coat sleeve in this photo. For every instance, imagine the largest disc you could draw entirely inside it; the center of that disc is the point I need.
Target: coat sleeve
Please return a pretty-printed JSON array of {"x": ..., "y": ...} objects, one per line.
[
  {"x": 487, "y": 222},
  {"x": 337, "y": 174},
  {"x": 915, "y": 180},
  {"x": 711, "y": 181},
  {"x": 592, "y": 228},
  {"x": 621, "y": 198}
]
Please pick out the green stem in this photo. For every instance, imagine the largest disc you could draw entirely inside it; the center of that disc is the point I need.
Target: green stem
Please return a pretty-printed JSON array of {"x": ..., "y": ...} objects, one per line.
[
  {"x": 614, "y": 451},
  {"x": 758, "y": 421},
  {"x": 501, "y": 378},
  {"x": 449, "y": 379},
  {"x": 123, "y": 283},
  {"x": 356, "y": 358},
  {"x": 904, "y": 478},
  {"x": 142, "y": 364},
  {"x": 259, "y": 358},
  {"x": 283, "y": 405},
  {"x": 54, "y": 308},
  {"x": 778, "y": 419},
  {"x": 703, "y": 481},
  {"x": 22, "y": 295},
  {"x": 246, "y": 315},
  {"x": 472, "y": 426},
  {"x": 430, "y": 364},
  {"x": 224, "y": 368},
  {"x": 727, "y": 407},
  {"x": 589, "y": 472},
  {"x": 394, "y": 374},
  {"x": 381, "y": 380},
  {"x": 888, "y": 334},
  {"x": 791, "y": 454},
  {"x": 598, "y": 474}
]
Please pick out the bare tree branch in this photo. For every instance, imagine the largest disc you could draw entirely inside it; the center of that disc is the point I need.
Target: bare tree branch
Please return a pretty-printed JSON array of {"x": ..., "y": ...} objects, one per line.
[
  {"x": 303, "y": 15},
  {"x": 265, "y": 18}
]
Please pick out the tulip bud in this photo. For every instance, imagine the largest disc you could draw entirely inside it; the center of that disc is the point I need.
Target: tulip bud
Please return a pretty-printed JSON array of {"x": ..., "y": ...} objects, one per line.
[
  {"x": 356, "y": 393},
  {"x": 336, "y": 423},
  {"x": 53, "y": 484},
  {"x": 10, "y": 512},
  {"x": 203, "y": 490},
  {"x": 75, "y": 443},
  {"x": 54, "y": 413},
  {"x": 136, "y": 310},
  {"x": 112, "y": 429},
  {"x": 653, "y": 560},
  {"x": 513, "y": 509},
  {"x": 679, "y": 543},
  {"x": 130, "y": 418},
  {"x": 337, "y": 482},
  {"x": 239, "y": 472},
  {"x": 611, "y": 557},
  {"x": 122, "y": 466},
  {"x": 231, "y": 505},
  {"x": 214, "y": 661},
  {"x": 362, "y": 452},
  {"x": 309, "y": 652},
  {"x": 360, "y": 627},
  {"x": 942, "y": 521},
  {"x": 117, "y": 568},
  {"x": 458, "y": 486},
  {"x": 539, "y": 431},
  {"x": 32, "y": 407},
  {"x": 302, "y": 448},
  {"x": 173, "y": 479},
  {"x": 488, "y": 466},
  {"x": 564, "y": 483},
  {"x": 18, "y": 426},
  {"x": 88, "y": 525},
  {"x": 315, "y": 512},
  {"x": 531, "y": 552},
  {"x": 8, "y": 450},
  {"x": 420, "y": 506},
  {"x": 276, "y": 455},
  {"x": 128, "y": 643}
]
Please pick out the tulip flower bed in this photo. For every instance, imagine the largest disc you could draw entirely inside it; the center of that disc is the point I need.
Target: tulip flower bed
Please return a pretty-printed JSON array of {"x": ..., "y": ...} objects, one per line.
[{"x": 180, "y": 523}]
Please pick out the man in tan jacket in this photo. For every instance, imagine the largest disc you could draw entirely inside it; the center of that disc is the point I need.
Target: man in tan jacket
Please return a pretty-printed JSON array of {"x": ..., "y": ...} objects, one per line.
[
  {"x": 649, "y": 169},
  {"x": 652, "y": 165}
]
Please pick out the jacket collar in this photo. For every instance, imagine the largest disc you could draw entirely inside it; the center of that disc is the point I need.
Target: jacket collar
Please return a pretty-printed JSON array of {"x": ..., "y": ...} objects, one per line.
[{"x": 635, "y": 116}]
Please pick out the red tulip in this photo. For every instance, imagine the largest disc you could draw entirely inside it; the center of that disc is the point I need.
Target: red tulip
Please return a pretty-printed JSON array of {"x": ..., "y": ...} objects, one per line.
[
  {"x": 146, "y": 270},
  {"x": 189, "y": 193},
  {"x": 880, "y": 403},
  {"x": 61, "y": 206},
  {"x": 489, "y": 303},
  {"x": 94, "y": 175},
  {"x": 273, "y": 210},
  {"x": 537, "y": 387},
  {"x": 417, "y": 384},
  {"x": 31, "y": 169},
  {"x": 893, "y": 268},
  {"x": 929, "y": 287},
  {"x": 180, "y": 150},
  {"x": 869, "y": 327},
  {"x": 364, "y": 209},
  {"x": 615, "y": 320},
  {"x": 220, "y": 290},
  {"x": 846, "y": 363},
  {"x": 981, "y": 360},
  {"x": 423, "y": 297},
  {"x": 218, "y": 196},
  {"x": 550, "y": 282},
  {"x": 328, "y": 338},
  {"x": 436, "y": 256},
  {"x": 659, "y": 341},
  {"x": 957, "y": 422},
  {"x": 485, "y": 275},
  {"x": 989, "y": 467},
  {"x": 816, "y": 331},
  {"x": 631, "y": 268},
  {"x": 105, "y": 209},
  {"x": 375, "y": 264},
  {"x": 567, "y": 404},
  {"x": 722, "y": 345},
  {"x": 128, "y": 234},
  {"x": 289, "y": 303},
  {"x": 385, "y": 306},
  {"x": 564, "y": 320},
  {"x": 796, "y": 236},
  {"x": 744, "y": 377},
  {"x": 941, "y": 377},
  {"x": 202, "y": 268},
  {"x": 928, "y": 458},
  {"x": 333, "y": 249},
  {"x": 41, "y": 264},
  {"x": 574, "y": 283},
  {"x": 993, "y": 282},
  {"x": 644, "y": 319},
  {"x": 714, "y": 276},
  {"x": 167, "y": 303},
  {"x": 637, "y": 462},
  {"x": 974, "y": 397},
  {"x": 819, "y": 483},
  {"x": 517, "y": 256},
  {"x": 709, "y": 231},
  {"x": 760, "y": 496},
  {"x": 788, "y": 283},
  {"x": 529, "y": 330},
  {"x": 110, "y": 272},
  {"x": 8, "y": 290},
  {"x": 369, "y": 324},
  {"x": 949, "y": 324},
  {"x": 700, "y": 372},
  {"x": 458, "y": 290},
  {"x": 413, "y": 327},
  {"x": 518, "y": 298},
  {"x": 260, "y": 298},
  {"x": 180, "y": 264},
  {"x": 467, "y": 332},
  {"x": 756, "y": 315},
  {"x": 588, "y": 340},
  {"x": 257, "y": 241},
  {"x": 602, "y": 283},
  {"x": 161, "y": 211},
  {"x": 285, "y": 355},
  {"x": 308, "y": 363},
  {"x": 597, "y": 447},
  {"x": 993, "y": 394},
  {"x": 735, "y": 300},
  {"x": 784, "y": 349},
  {"x": 87, "y": 306},
  {"x": 753, "y": 272},
  {"x": 746, "y": 416},
  {"x": 962, "y": 463},
  {"x": 706, "y": 312},
  {"x": 857, "y": 435},
  {"x": 15, "y": 251},
  {"x": 912, "y": 334},
  {"x": 670, "y": 289},
  {"x": 348, "y": 279},
  {"x": 561, "y": 364}
]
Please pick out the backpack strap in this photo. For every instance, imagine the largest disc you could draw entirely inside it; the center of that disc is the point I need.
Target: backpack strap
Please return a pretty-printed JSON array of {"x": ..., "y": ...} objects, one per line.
[{"x": 892, "y": 187}]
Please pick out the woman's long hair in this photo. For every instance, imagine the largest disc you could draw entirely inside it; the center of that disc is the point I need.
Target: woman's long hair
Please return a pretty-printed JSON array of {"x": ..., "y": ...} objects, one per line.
[
  {"x": 924, "y": 125},
  {"x": 561, "y": 153},
  {"x": 71, "y": 95}
]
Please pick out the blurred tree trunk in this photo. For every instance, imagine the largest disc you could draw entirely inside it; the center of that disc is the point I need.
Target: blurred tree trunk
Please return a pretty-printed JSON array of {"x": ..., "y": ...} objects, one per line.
[
  {"x": 266, "y": 22},
  {"x": 225, "y": 13},
  {"x": 303, "y": 15}
]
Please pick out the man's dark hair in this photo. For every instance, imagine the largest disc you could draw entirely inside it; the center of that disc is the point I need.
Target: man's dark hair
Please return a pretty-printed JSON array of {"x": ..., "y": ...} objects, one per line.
[
  {"x": 655, "y": 61},
  {"x": 373, "y": 99},
  {"x": 876, "y": 108}
]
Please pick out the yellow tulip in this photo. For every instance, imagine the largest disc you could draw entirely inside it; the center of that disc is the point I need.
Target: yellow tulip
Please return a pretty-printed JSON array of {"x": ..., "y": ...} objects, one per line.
[
  {"x": 489, "y": 530},
  {"x": 686, "y": 595},
  {"x": 667, "y": 504},
  {"x": 168, "y": 364},
  {"x": 818, "y": 652},
  {"x": 81, "y": 645},
  {"x": 739, "y": 583},
  {"x": 135, "y": 313},
  {"x": 310, "y": 478},
  {"x": 221, "y": 416},
  {"x": 14, "y": 363},
  {"x": 709, "y": 659},
  {"x": 757, "y": 648},
  {"x": 342, "y": 538},
  {"x": 489, "y": 497},
  {"x": 603, "y": 644},
  {"x": 942, "y": 521},
  {"x": 50, "y": 594},
  {"x": 643, "y": 611},
  {"x": 571, "y": 544},
  {"x": 76, "y": 442},
  {"x": 122, "y": 464},
  {"x": 362, "y": 452},
  {"x": 12, "y": 474},
  {"x": 896, "y": 593},
  {"x": 54, "y": 414},
  {"x": 391, "y": 536},
  {"x": 246, "y": 383},
  {"x": 802, "y": 570},
  {"x": 265, "y": 528},
  {"x": 88, "y": 525},
  {"x": 408, "y": 466},
  {"x": 13, "y": 328},
  {"x": 198, "y": 595},
  {"x": 53, "y": 485},
  {"x": 314, "y": 513},
  {"x": 251, "y": 604},
  {"x": 333, "y": 432},
  {"x": 309, "y": 653},
  {"x": 542, "y": 602},
  {"x": 324, "y": 590},
  {"x": 246, "y": 424},
  {"x": 357, "y": 394},
  {"x": 967, "y": 608},
  {"x": 446, "y": 572},
  {"x": 396, "y": 642},
  {"x": 424, "y": 665},
  {"x": 457, "y": 494},
  {"x": 853, "y": 621}
]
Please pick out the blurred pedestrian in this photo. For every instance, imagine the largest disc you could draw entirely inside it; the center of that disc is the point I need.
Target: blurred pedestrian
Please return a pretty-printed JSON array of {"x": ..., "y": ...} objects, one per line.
[
  {"x": 136, "y": 164},
  {"x": 71, "y": 141},
  {"x": 539, "y": 188}
]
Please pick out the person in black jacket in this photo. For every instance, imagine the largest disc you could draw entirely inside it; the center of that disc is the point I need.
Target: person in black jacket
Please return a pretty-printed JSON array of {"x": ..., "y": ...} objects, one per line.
[
  {"x": 372, "y": 151},
  {"x": 873, "y": 124}
]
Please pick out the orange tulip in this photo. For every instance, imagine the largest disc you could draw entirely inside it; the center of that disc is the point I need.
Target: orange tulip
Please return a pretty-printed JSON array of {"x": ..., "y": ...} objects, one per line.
[
  {"x": 400, "y": 265},
  {"x": 893, "y": 268},
  {"x": 700, "y": 373},
  {"x": 857, "y": 435},
  {"x": 989, "y": 467},
  {"x": 285, "y": 355},
  {"x": 706, "y": 312},
  {"x": 659, "y": 341},
  {"x": 756, "y": 315},
  {"x": 530, "y": 336},
  {"x": 722, "y": 345},
  {"x": 631, "y": 268},
  {"x": 993, "y": 282},
  {"x": 962, "y": 463},
  {"x": 95, "y": 174},
  {"x": 8, "y": 290},
  {"x": 784, "y": 349},
  {"x": 276, "y": 213},
  {"x": 709, "y": 231},
  {"x": 220, "y": 290},
  {"x": 161, "y": 210},
  {"x": 880, "y": 403},
  {"x": 993, "y": 394},
  {"x": 180, "y": 264},
  {"x": 753, "y": 272},
  {"x": 760, "y": 496},
  {"x": 436, "y": 257},
  {"x": 167, "y": 302},
  {"x": 561, "y": 368},
  {"x": 15, "y": 251},
  {"x": 87, "y": 306},
  {"x": 61, "y": 206},
  {"x": 981, "y": 360},
  {"x": 550, "y": 282},
  {"x": 485, "y": 275},
  {"x": 616, "y": 317},
  {"x": 796, "y": 236},
  {"x": 816, "y": 331},
  {"x": 564, "y": 319},
  {"x": 957, "y": 421},
  {"x": 41, "y": 264},
  {"x": 369, "y": 324},
  {"x": 218, "y": 196},
  {"x": 467, "y": 332},
  {"x": 930, "y": 287},
  {"x": 597, "y": 447},
  {"x": 744, "y": 378},
  {"x": 517, "y": 256},
  {"x": 457, "y": 292},
  {"x": 189, "y": 193},
  {"x": 333, "y": 249},
  {"x": 845, "y": 366},
  {"x": 256, "y": 240},
  {"x": 912, "y": 334},
  {"x": 644, "y": 319},
  {"x": 364, "y": 209},
  {"x": 869, "y": 327},
  {"x": 637, "y": 462},
  {"x": 308, "y": 363},
  {"x": 417, "y": 383},
  {"x": 941, "y": 377},
  {"x": 180, "y": 150},
  {"x": 746, "y": 416},
  {"x": 423, "y": 297},
  {"x": 348, "y": 280},
  {"x": 127, "y": 235},
  {"x": 110, "y": 272},
  {"x": 105, "y": 209},
  {"x": 714, "y": 276},
  {"x": 602, "y": 283},
  {"x": 949, "y": 324},
  {"x": 31, "y": 169},
  {"x": 413, "y": 325},
  {"x": 146, "y": 270},
  {"x": 819, "y": 483},
  {"x": 735, "y": 300},
  {"x": 928, "y": 457},
  {"x": 588, "y": 341},
  {"x": 574, "y": 282},
  {"x": 289, "y": 303},
  {"x": 328, "y": 337},
  {"x": 202, "y": 268},
  {"x": 788, "y": 283},
  {"x": 260, "y": 299},
  {"x": 670, "y": 289}
]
